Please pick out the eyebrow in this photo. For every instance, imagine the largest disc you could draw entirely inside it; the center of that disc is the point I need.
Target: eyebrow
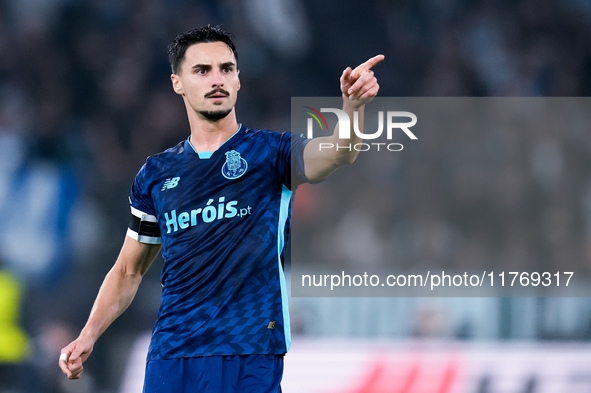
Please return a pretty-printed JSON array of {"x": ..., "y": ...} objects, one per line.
[{"x": 208, "y": 66}]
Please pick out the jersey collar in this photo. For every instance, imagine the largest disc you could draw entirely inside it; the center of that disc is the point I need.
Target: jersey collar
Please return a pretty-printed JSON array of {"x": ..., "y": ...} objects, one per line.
[{"x": 208, "y": 154}]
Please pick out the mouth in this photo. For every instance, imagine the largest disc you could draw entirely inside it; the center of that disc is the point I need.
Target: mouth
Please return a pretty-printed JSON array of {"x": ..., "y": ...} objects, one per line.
[{"x": 217, "y": 94}]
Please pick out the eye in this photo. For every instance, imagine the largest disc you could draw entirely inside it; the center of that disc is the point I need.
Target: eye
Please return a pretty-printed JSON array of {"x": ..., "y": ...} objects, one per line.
[
  {"x": 201, "y": 71},
  {"x": 227, "y": 70}
]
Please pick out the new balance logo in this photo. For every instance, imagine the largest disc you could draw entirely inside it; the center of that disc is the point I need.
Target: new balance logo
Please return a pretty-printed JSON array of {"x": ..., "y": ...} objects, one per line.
[{"x": 170, "y": 183}]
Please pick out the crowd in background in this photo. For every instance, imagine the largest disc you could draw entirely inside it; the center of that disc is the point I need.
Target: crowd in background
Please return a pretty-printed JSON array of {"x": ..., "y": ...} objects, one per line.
[{"x": 85, "y": 97}]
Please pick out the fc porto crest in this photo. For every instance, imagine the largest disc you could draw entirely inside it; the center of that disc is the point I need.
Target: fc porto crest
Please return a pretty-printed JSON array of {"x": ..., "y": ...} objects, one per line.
[{"x": 235, "y": 166}]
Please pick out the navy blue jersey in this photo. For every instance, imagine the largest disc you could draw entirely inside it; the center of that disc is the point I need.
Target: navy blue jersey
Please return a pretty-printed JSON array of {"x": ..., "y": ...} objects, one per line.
[{"x": 222, "y": 222}]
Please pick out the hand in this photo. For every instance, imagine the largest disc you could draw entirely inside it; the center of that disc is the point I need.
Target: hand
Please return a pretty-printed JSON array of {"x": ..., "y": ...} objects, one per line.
[
  {"x": 360, "y": 86},
  {"x": 77, "y": 352}
]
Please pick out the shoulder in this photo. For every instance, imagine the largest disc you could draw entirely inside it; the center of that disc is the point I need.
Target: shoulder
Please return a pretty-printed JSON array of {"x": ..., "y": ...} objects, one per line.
[
  {"x": 262, "y": 133},
  {"x": 159, "y": 162},
  {"x": 272, "y": 138},
  {"x": 171, "y": 154}
]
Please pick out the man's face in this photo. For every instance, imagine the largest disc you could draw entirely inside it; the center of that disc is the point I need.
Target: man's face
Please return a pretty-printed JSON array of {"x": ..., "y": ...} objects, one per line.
[{"x": 208, "y": 79}]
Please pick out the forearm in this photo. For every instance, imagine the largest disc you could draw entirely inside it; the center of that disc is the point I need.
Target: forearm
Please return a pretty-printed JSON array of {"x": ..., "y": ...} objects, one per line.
[
  {"x": 115, "y": 295},
  {"x": 346, "y": 152},
  {"x": 324, "y": 155}
]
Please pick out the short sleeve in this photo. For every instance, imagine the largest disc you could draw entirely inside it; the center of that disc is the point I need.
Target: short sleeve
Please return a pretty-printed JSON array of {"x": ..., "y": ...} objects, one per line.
[
  {"x": 143, "y": 224},
  {"x": 291, "y": 159}
]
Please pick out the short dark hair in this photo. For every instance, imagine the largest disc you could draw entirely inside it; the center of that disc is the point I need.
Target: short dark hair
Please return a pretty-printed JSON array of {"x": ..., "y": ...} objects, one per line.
[{"x": 178, "y": 47}]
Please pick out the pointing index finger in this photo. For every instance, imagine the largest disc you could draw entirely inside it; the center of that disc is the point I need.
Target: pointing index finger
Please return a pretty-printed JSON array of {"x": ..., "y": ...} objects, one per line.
[{"x": 372, "y": 62}]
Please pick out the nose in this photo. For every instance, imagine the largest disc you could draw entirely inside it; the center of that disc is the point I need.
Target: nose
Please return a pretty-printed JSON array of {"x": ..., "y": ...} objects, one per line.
[{"x": 217, "y": 79}]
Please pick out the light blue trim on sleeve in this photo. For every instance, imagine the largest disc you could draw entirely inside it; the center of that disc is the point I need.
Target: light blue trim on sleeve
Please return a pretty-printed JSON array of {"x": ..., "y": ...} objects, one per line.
[{"x": 283, "y": 212}]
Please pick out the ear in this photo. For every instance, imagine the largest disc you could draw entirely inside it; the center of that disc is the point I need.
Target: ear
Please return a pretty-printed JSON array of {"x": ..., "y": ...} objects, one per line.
[
  {"x": 177, "y": 84},
  {"x": 238, "y": 74}
]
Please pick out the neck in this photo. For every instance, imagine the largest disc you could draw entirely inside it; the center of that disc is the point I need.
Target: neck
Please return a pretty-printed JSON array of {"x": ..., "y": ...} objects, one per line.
[{"x": 207, "y": 135}]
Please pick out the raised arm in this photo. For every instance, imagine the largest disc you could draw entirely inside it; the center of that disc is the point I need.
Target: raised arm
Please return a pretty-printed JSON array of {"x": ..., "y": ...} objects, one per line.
[
  {"x": 358, "y": 87},
  {"x": 115, "y": 295}
]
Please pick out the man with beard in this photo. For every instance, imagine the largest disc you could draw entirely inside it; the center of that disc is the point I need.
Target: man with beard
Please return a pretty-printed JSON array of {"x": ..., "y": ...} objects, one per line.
[{"x": 218, "y": 205}]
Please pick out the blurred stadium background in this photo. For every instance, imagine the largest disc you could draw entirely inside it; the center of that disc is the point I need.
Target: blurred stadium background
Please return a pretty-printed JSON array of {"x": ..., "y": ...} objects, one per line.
[{"x": 85, "y": 97}]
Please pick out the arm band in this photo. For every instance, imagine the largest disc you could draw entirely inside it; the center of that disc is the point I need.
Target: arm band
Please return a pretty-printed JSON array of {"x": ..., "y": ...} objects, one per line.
[{"x": 144, "y": 227}]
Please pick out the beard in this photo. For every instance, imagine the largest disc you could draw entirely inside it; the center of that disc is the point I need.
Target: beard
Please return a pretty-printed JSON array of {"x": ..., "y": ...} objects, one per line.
[{"x": 215, "y": 115}]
